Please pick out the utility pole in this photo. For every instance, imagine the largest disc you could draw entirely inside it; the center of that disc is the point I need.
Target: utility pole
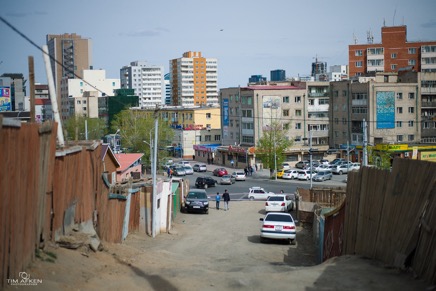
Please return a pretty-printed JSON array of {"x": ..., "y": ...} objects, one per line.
[
  {"x": 310, "y": 157},
  {"x": 154, "y": 168},
  {"x": 365, "y": 144}
]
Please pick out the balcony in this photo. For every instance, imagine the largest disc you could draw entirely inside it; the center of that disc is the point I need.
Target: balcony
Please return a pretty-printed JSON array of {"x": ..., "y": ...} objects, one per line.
[
  {"x": 318, "y": 94},
  {"x": 430, "y": 104},
  {"x": 428, "y": 90}
]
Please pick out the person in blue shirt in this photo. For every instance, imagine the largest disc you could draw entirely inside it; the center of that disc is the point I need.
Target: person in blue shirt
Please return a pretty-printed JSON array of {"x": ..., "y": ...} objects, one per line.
[{"x": 217, "y": 199}]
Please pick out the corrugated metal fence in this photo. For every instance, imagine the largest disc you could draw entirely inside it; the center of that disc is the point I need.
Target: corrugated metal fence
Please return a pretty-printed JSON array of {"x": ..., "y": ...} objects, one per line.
[{"x": 40, "y": 184}]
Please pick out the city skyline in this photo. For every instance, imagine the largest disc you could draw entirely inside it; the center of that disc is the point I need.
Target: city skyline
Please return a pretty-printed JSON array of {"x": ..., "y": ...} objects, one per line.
[{"x": 255, "y": 40}]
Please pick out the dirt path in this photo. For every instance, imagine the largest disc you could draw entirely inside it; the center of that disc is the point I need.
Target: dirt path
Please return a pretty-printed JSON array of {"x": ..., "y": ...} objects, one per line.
[{"x": 219, "y": 251}]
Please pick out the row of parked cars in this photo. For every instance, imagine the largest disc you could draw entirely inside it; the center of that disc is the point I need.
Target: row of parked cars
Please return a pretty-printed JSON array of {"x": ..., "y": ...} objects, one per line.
[{"x": 320, "y": 170}]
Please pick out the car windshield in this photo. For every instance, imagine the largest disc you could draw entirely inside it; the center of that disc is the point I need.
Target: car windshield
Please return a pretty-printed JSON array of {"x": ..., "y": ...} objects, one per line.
[
  {"x": 276, "y": 198},
  {"x": 226, "y": 177},
  {"x": 197, "y": 195},
  {"x": 279, "y": 217}
]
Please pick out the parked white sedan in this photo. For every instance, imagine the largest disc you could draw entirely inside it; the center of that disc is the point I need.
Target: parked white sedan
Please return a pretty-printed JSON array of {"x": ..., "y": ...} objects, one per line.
[
  {"x": 280, "y": 203},
  {"x": 278, "y": 225},
  {"x": 290, "y": 174},
  {"x": 305, "y": 175}
]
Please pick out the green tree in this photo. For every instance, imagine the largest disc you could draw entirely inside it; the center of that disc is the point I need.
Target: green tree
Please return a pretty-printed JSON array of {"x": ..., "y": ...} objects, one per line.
[
  {"x": 136, "y": 129},
  {"x": 272, "y": 145},
  {"x": 75, "y": 128},
  {"x": 381, "y": 159}
]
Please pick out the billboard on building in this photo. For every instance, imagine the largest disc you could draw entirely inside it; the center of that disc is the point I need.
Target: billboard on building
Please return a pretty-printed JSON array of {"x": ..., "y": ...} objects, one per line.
[
  {"x": 271, "y": 110},
  {"x": 225, "y": 117},
  {"x": 5, "y": 99},
  {"x": 385, "y": 108}
]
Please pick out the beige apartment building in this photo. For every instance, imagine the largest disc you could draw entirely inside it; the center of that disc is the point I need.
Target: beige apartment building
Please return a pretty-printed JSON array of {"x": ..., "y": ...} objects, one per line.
[
  {"x": 73, "y": 55},
  {"x": 390, "y": 107}
]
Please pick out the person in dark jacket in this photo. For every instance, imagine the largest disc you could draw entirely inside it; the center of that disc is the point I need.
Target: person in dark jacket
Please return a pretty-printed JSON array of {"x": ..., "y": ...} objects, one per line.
[{"x": 226, "y": 198}]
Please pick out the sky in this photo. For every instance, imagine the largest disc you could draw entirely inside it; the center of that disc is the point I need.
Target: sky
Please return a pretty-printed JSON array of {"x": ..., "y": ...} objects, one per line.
[{"x": 246, "y": 37}]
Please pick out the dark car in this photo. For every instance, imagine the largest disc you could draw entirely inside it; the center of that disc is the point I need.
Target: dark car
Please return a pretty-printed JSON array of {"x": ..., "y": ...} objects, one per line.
[
  {"x": 197, "y": 200},
  {"x": 220, "y": 172},
  {"x": 205, "y": 182}
]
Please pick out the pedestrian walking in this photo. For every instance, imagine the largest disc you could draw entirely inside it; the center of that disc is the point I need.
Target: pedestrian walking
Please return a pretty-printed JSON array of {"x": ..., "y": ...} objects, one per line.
[
  {"x": 245, "y": 171},
  {"x": 217, "y": 200},
  {"x": 226, "y": 197},
  {"x": 251, "y": 171},
  {"x": 231, "y": 162},
  {"x": 169, "y": 172}
]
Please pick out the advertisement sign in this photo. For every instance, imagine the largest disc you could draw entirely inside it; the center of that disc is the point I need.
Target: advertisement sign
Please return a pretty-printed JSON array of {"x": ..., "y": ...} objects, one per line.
[
  {"x": 226, "y": 117},
  {"x": 5, "y": 99},
  {"x": 385, "y": 103}
]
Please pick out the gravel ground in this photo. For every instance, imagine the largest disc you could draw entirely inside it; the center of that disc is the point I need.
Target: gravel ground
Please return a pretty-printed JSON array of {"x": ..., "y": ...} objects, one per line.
[{"x": 216, "y": 251}]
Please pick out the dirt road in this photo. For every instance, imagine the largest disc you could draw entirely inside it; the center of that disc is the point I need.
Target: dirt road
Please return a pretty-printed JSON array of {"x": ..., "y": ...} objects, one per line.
[{"x": 218, "y": 251}]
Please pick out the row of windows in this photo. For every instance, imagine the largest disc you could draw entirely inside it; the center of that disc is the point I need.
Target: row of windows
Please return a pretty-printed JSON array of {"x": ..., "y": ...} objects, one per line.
[
  {"x": 399, "y": 95},
  {"x": 379, "y": 51}
]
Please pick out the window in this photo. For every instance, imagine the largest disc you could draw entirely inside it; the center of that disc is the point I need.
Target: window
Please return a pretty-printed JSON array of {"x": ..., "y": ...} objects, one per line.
[
  {"x": 358, "y": 53},
  {"x": 285, "y": 99},
  {"x": 410, "y": 123},
  {"x": 207, "y": 138},
  {"x": 298, "y": 125},
  {"x": 247, "y": 113},
  {"x": 399, "y": 137},
  {"x": 323, "y": 101},
  {"x": 217, "y": 137},
  {"x": 412, "y": 50},
  {"x": 336, "y": 120},
  {"x": 298, "y": 112},
  {"x": 412, "y": 62},
  {"x": 411, "y": 95},
  {"x": 399, "y": 110},
  {"x": 344, "y": 120},
  {"x": 335, "y": 93},
  {"x": 393, "y": 67},
  {"x": 411, "y": 137},
  {"x": 399, "y": 96},
  {"x": 359, "y": 64},
  {"x": 311, "y": 102},
  {"x": 286, "y": 126},
  {"x": 393, "y": 55},
  {"x": 411, "y": 109},
  {"x": 286, "y": 112},
  {"x": 399, "y": 123},
  {"x": 297, "y": 99},
  {"x": 208, "y": 115},
  {"x": 426, "y": 125},
  {"x": 344, "y": 93}
]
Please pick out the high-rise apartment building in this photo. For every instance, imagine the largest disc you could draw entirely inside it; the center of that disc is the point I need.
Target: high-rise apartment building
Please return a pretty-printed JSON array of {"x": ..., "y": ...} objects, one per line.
[
  {"x": 147, "y": 81},
  {"x": 194, "y": 80},
  {"x": 257, "y": 79},
  {"x": 278, "y": 75},
  {"x": 167, "y": 89},
  {"x": 73, "y": 55},
  {"x": 393, "y": 53}
]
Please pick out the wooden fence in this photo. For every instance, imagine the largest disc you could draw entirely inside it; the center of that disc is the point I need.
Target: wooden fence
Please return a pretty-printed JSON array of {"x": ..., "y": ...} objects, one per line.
[{"x": 390, "y": 216}]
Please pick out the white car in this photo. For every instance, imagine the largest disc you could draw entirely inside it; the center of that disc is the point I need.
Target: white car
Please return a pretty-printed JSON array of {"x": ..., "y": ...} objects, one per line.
[
  {"x": 286, "y": 166},
  {"x": 305, "y": 175},
  {"x": 278, "y": 225},
  {"x": 199, "y": 168},
  {"x": 280, "y": 203},
  {"x": 322, "y": 167},
  {"x": 354, "y": 166},
  {"x": 239, "y": 175},
  {"x": 290, "y": 174},
  {"x": 258, "y": 193},
  {"x": 188, "y": 170}
]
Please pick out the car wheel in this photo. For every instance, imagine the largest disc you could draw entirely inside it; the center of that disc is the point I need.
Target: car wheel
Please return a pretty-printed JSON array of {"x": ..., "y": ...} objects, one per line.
[
  {"x": 292, "y": 241},
  {"x": 262, "y": 240},
  {"x": 205, "y": 186},
  {"x": 206, "y": 211},
  {"x": 251, "y": 198},
  {"x": 340, "y": 172}
]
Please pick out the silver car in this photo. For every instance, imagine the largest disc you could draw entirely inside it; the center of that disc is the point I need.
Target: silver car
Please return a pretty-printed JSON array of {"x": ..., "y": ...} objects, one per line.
[
  {"x": 322, "y": 176},
  {"x": 227, "y": 180}
]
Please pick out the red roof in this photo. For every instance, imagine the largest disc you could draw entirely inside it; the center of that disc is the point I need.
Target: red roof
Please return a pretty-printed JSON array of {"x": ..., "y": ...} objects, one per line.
[
  {"x": 269, "y": 87},
  {"x": 41, "y": 101},
  {"x": 126, "y": 160}
]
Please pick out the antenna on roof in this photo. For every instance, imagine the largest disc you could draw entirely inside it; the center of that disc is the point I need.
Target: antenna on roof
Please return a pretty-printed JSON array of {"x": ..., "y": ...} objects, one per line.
[
  {"x": 355, "y": 39},
  {"x": 369, "y": 37},
  {"x": 393, "y": 20}
]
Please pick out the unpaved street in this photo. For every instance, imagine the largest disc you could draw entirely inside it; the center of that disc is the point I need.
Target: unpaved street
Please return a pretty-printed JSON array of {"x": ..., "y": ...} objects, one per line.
[{"x": 218, "y": 251}]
